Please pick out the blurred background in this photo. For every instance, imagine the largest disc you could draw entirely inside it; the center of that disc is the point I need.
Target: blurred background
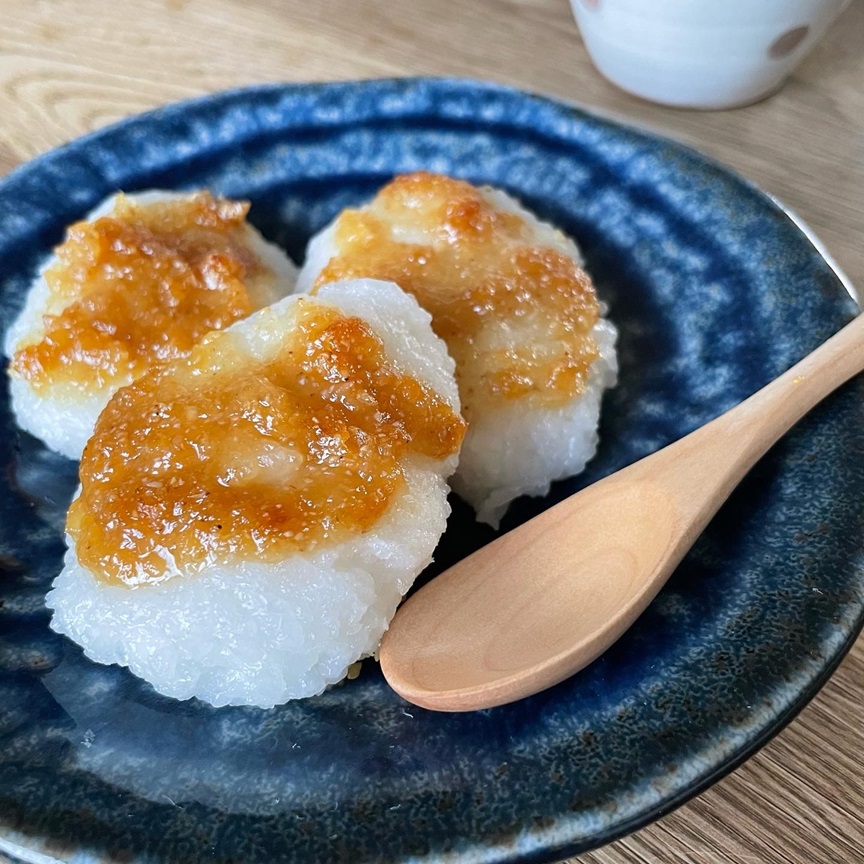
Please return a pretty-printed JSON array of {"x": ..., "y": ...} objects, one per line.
[{"x": 70, "y": 66}]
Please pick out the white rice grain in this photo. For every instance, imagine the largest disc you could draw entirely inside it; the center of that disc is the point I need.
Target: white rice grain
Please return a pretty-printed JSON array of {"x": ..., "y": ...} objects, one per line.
[
  {"x": 255, "y": 633},
  {"x": 520, "y": 449}
]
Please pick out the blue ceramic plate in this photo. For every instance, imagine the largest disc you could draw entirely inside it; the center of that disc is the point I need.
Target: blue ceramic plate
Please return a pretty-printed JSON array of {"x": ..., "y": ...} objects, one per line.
[{"x": 715, "y": 291}]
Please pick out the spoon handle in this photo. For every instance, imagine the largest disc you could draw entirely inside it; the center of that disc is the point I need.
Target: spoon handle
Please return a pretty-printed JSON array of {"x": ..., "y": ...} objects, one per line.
[{"x": 726, "y": 448}]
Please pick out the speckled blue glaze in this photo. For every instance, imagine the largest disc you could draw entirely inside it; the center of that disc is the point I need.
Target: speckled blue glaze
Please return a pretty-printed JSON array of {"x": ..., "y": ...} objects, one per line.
[{"x": 715, "y": 292}]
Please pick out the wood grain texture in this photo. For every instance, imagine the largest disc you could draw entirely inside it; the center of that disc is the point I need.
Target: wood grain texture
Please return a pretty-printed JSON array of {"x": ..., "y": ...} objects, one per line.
[{"x": 70, "y": 66}]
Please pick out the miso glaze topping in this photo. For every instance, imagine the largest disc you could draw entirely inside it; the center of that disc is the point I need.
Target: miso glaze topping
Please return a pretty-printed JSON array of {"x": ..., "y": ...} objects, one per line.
[
  {"x": 221, "y": 456},
  {"x": 140, "y": 286},
  {"x": 516, "y": 315}
]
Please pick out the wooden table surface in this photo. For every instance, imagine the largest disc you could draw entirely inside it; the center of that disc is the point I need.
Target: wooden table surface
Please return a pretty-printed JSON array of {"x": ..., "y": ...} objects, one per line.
[{"x": 70, "y": 66}]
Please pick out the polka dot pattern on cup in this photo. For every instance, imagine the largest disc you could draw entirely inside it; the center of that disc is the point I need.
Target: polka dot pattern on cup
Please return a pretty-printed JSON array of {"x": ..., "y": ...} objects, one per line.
[{"x": 786, "y": 43}]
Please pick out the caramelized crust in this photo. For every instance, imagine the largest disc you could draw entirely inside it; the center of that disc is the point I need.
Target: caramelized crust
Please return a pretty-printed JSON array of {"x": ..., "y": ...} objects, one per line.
[
  {"x": 516, "y": 315},
  {"x": 220, "y": 457},
  {"x": 140, "y": 286}
]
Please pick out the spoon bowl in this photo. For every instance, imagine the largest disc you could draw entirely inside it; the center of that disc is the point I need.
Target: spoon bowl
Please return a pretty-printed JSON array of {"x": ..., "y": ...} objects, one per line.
[{"x": 541, "y": 602}]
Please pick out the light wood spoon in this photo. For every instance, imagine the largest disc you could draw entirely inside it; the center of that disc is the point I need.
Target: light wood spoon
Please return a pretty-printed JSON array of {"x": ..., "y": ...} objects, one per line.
[{"x": 544, "y": 600}]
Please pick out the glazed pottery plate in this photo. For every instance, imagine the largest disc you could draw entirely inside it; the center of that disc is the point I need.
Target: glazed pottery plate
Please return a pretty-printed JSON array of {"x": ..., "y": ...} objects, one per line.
[{"x": 715, "y": 291}]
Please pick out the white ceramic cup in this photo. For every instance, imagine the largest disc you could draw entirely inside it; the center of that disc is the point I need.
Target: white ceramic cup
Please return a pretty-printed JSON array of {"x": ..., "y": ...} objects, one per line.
[{"x": 701, "y": 53}]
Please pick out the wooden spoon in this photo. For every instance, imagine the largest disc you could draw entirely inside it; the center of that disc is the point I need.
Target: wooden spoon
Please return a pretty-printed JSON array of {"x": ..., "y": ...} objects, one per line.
[{"x": 544, "y": 600}]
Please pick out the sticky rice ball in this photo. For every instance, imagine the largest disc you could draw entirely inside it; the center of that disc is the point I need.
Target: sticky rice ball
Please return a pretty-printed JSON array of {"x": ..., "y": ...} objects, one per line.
[
  {"x": 137, "y": 282},
  {"x": 251, "y": 515},
  {"x": 519, "y": 314}
]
